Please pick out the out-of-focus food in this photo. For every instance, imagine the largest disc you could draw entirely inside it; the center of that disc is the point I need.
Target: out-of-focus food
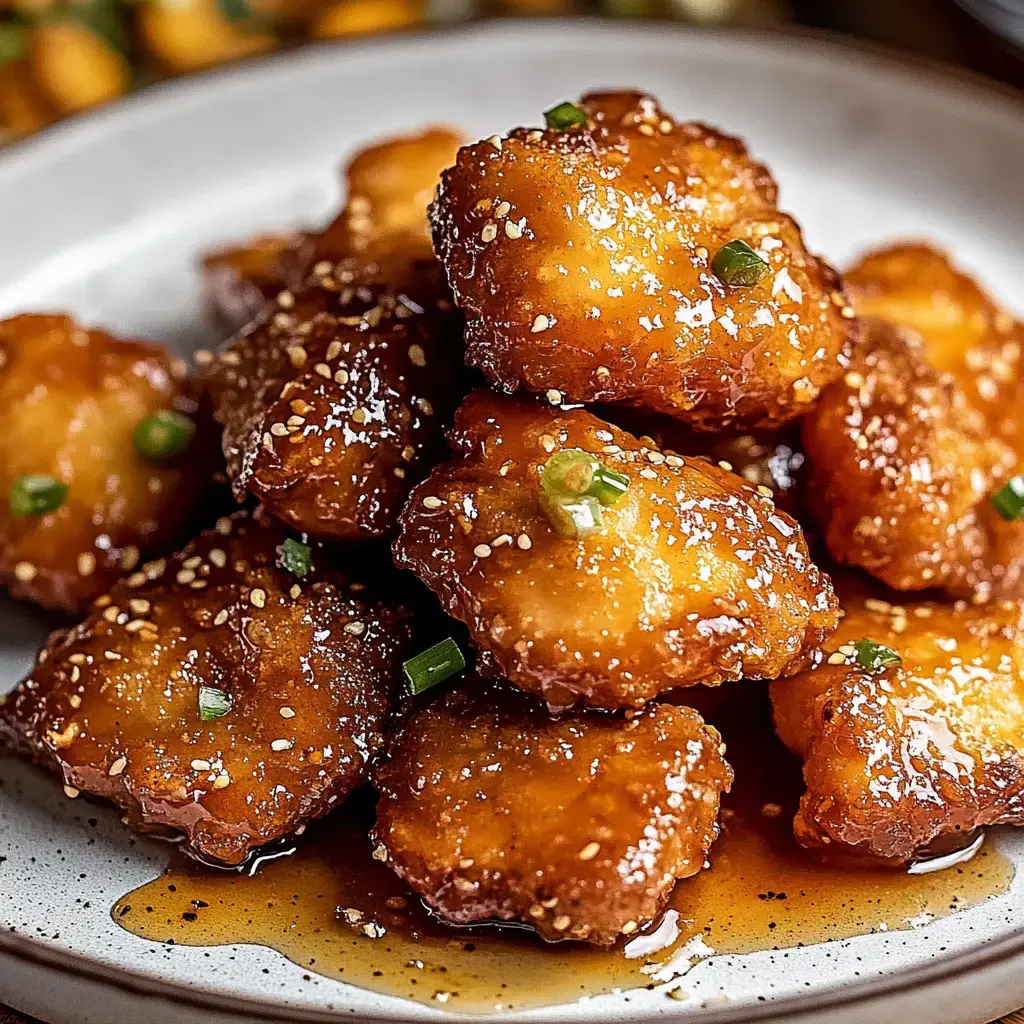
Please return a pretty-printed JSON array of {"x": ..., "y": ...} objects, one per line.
[
  {"x": 217, "y": 694},
  {"x": 908, "y": 450},
  {"x": 613, "y": 256},
  {"x": 240, "y": 280},
  {"x": 333, "y": 402},
  {"x": 692, "y": 576},
  {"x": 912, "y": 732},
  {"x": 72, "y": 401},
  {"x": 23, "y": 106},
  {"x": 578, "y": 826},
  {"x": 195, "y": 34},
  {"x": 357, "y": 17},
  {"x": 76, "y": 66}
]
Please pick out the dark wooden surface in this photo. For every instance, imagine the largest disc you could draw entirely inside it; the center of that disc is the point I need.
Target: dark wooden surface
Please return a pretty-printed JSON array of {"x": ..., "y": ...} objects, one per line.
[{"x": 932, "y": 28}]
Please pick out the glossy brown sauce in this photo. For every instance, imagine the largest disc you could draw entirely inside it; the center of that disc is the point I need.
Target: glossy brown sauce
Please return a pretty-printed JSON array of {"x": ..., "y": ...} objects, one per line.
[{"x": 334, "y": 910}]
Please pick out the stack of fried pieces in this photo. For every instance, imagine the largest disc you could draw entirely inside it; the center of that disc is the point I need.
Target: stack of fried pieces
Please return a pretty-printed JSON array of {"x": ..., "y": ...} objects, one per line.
[{"x": 586, "y": 383}]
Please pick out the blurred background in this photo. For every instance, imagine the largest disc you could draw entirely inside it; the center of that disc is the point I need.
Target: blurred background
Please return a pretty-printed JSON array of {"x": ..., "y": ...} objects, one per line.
[{"x": 58, "y": 57}]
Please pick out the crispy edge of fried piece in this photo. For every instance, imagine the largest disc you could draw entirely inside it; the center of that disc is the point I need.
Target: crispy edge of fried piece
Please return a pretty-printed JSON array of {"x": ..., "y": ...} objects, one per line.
[
  {"x": 902, "y": 469},
  {"x": 239, "y": 280},
  {"x": 72, "y": 398},
  {"x": 475, "y": 533},
  {"x": 520, "y": 222},
  {"x": 586, "y": 856},
  {"x": 306, "y": 711},
  {"x": 912, "y": 755}
]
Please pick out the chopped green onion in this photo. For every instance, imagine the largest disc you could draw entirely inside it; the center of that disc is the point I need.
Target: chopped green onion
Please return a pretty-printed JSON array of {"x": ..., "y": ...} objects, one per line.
[
  {"x": 573, "y": 518},
  {"x": 607, "y": 485},
  {"x": 295, "y": 557},
  {"x": 234, "y": 11},
  {"x": 875, "y": 656},
  {"x": 564, "y": 116},
  {"x": 213, "y": 703},
  {"x": 35, "y": 495},
  {"x": 1009, "y": 501},
  {"x": 739, "y": 266},
  {"x": 13, "y": 41},
  {"x": 433, "y": 666},
  {"x": 164, "y": 434},
  {"x": 568, "y": 474}
]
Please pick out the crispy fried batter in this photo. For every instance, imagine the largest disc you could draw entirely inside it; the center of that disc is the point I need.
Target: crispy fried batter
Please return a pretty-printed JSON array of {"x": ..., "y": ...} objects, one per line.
[
  {"x": 907, "y": 449},
  {"x": 114, "y": 704},
  {"x": 582, "y": 260},
  {"x": 902, "y": 757},
  {"x": 70, "y": 399},
  {"x": 772, "y": 459},
  {"x": 578, "y": 826},
  {"x": 239, "y": 280},
  {"x": 695, "y": 577},
  {"x": 333, "y": 403}
]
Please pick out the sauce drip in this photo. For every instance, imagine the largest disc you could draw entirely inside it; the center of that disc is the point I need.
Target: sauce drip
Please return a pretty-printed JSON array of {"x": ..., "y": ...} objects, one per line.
[{"x": 335, "y": 910}]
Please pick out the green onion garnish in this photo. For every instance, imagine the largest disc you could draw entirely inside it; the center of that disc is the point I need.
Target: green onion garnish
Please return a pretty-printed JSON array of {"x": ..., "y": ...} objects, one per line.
[
  {"x": 13, "y": 41},
  {"x": 235, "y": 11},
  {"x": 739, "y": 266},
  {"x": 433, "y": 666},
  {"x": 213, "y": 703},
  {"x": 1009, "y": 501},
  {"x": 573, "y": 518},
  {"x": 607, "y": 485},
  {"x": 295, "y": 557},
  {"x": 35, "y": 495},
  {"x": 874, "y": 656},
  {"x": 164, "y": 434},
  {"x": 564, "y": 116}
]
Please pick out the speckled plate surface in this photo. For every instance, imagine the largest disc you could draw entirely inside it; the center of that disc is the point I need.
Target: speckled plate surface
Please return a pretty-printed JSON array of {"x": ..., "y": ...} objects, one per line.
[{"x": 103, "y": 216}]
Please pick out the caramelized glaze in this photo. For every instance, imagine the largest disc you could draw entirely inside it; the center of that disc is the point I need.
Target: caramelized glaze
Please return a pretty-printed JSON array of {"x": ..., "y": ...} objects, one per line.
[{"x": 323, "y": 906}]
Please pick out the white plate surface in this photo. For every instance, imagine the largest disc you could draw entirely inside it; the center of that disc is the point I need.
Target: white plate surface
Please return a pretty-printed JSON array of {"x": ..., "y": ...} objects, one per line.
[{"x": 103, "y": 216}]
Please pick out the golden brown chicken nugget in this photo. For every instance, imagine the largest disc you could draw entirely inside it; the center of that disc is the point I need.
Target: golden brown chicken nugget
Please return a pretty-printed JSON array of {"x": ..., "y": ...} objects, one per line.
[
  {"x": 91, "y": 481},
  {"x": 333, "y": 404},
  {"x": 912, "y": 732},
  {"x": 228, "y": 694},
  {"x": 579, "y": 826},
  {"x": 691, "y": 576},
  {"x": 238, "y": 281},
  {"x": 390, "y": 186},
  {"x": 334, "y": 401},
  {"x": 909, "y": 449},
  {"x": 590, "y": 260}
]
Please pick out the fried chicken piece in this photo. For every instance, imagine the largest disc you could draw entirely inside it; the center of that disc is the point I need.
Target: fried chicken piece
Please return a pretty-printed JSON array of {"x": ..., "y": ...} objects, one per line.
[
  {"x": 695, "y": 577},
  {"x": 215, "y": 694},
  {"x": 333, "y": 402},
  {"x": 578, "y": 826},
  {"x": 238, "y": 281},
  {"x": 773, "y": 459},
  {"x": 583, "y": 261},
  {"x": 907, "y": 450},
  {"x": 907, "y": 755},
  {"x": 72, "y": 399}
]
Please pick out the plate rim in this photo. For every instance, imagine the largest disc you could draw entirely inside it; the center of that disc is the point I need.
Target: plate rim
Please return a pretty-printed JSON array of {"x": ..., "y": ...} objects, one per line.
[{"x": 56, "y": 140}]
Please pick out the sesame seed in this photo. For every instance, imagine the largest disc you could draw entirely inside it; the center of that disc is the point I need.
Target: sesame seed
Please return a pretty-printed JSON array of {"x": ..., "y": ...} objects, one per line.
[
  {"x": 86, "y": 563},
  {"x": 838, "y": 658},
  {"x": 523, "y": 542},
  {"x": 495, "y": 141},
  {"x": 200, "y": 764},
  {"x": 629, "y": 927},
  {"x": 540, "y": 323},
  {"x": 590, "y": 851},
  {"x": 111, "y": 655},
  {"x": 502, "y": 209},
  {"x": 515, "y": 229},
  {"x": 536, "y": 911},
  {"x": 489, "y": 232},
  {"x": 554, "y": 396},
  {"x": 341, "y": 377},
  {"x": 218, "y": 558},
  {"x": 222, "y": 781},
  {"x": 360, "y": 415},
  {"x": 111, "y": 612},
  {"x": 561, "y": 923},
  {"x": 431, "y": 502},
  {"x": 135, "y": 625},
  {"x": 482, "y": 550},
  {"x": 118, "y": 766},
  {"x": 70, "y": 792},
  {"x": 297, "y": 356},
  {"x": 323, "y": 370},
  {"x": 333, "y": 351},
  {"x": 221, "y": 617},
  {"x": 417, "y": 356},
  {"x": 287, "y": 712},
  {"x": 25, "y": 572},
  {"x": 75, "y": 701},
  {"x": 355, "y": 628},
  {"x": 279, "y": 745},
  {"x": 295, "y": 591},
  {"x": 77, "y": 659},
  {"x": 258, "y": 598}
]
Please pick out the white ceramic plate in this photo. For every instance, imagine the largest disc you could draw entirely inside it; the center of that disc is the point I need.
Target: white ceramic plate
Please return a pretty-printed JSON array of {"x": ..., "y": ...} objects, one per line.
[{"x": 104, "y": 216}]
